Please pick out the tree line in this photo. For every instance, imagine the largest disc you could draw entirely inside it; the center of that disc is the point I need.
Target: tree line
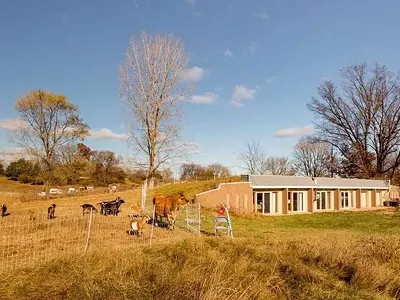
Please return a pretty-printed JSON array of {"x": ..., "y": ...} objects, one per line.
[
  {"x": 78, "y": 164},
  {"x": 193, "y": 171},
  {"x": 72, "y": 165},
  {"x": 308, "y": 158}
]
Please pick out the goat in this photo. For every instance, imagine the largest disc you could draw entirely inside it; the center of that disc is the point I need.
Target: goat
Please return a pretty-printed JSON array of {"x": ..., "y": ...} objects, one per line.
[
  {"x": 111, "y": 207},
  {"x": 4, "y": 210},
  {"x": 137, "y": 225},
  {"x": 88, "y": 207},
  {"x": 31, "y": 215},
  {"x": 51, "y": 210},
  {"x": 135, "y": 211},
  {"x": 103, "y": 205}
]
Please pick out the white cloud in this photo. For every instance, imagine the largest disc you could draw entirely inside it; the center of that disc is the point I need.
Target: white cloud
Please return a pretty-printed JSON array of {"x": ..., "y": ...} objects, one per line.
[
  {"x": 106, "y": 134},
  {"x": 240, "y": 94},
  {"x": 206, "y": 98},
  {"x": 228, "y": 53},
  {"x": 12, "y": 124},
  {"x": 192, "y": 2},
  {"x": 194, "y": 74},
  {"x": 295, "y": 131},
  {"x": 262, "y": 15}
]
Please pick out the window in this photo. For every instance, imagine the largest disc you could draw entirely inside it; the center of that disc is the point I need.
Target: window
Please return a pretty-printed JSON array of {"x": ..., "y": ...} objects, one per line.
[
  {"x": 296, "y": 201},
  {"x": 345, "y": 198},
  {"x": 322, "y": 200}
]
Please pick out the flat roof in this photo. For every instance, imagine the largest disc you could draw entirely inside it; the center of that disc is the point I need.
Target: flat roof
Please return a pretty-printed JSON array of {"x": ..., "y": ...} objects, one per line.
[{"x": 281, "y": 181}]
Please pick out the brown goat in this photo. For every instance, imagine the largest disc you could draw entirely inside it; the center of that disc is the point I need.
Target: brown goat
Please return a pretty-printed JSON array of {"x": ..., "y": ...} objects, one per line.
[{"x": 136, "y": 226}]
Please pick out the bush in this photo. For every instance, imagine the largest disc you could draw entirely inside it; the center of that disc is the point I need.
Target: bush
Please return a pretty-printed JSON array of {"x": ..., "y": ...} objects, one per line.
[
  {"x": 17, "y": 168},
  {"x": 1, "y": 169},
  {"x": 25, "y": 178}
]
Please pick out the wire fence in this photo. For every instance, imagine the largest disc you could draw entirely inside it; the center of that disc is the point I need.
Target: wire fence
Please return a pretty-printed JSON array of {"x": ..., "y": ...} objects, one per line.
[{"x": 28, "y": 239}]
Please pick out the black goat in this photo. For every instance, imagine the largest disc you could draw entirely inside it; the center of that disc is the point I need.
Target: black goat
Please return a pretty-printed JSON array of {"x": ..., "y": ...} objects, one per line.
[
  {"x": 111, "y": 207},
  {"x": 88, "y": 207},
  {"x": 4, "y": 210},
  {"x": 51, "y": 210}
]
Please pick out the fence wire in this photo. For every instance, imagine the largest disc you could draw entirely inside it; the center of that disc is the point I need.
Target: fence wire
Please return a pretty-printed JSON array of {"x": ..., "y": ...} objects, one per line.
[{"x": 28, "y": 239}]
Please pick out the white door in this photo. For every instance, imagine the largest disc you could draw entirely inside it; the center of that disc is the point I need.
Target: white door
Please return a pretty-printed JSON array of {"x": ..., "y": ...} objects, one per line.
[{"x": 363, "y": 199}]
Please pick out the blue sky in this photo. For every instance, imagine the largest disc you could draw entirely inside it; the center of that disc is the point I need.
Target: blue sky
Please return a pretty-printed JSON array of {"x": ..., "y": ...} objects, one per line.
[{"x": 270, "y": 56}]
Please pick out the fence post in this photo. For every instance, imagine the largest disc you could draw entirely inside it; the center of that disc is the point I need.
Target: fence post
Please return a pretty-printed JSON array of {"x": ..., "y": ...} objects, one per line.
[
  {"x": 88, "y": 233},
  {"x": 152, "y": 224},
  {"x": 187, "y": 217},
  {"x": 144, "y": 195},
  {"x": 199, "y": 218}
]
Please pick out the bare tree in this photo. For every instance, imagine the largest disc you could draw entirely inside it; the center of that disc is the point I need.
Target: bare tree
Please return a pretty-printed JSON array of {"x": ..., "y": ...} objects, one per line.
[
  {"x": 106, "y": 167},
  {"x": 278, "y": 166},
  {"x": 362, "y": 120},
  {"x": 312, "y": 158},
  {"x": 218, "y": 170},
  {"x": 191, "y": 171},
  {"x": 253, "y": 158},
  {"x": 152, "y": 81},
  {"x": 48, "y": 121}
]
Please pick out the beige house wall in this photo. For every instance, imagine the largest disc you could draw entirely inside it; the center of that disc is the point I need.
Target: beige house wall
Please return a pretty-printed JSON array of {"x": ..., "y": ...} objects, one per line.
[{"x": 238, "y": 197}]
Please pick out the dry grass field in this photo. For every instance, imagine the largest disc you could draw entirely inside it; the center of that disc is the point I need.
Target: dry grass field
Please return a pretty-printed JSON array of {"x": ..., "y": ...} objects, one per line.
[{"x": 338, "y": 255}]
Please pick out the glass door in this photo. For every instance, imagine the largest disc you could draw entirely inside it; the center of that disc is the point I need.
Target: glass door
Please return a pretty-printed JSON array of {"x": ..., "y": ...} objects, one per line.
[
  {"x": 345, "y": 199},
  {"x": 297, "y": 201},
  {"x": 322, "y": 200},
  {"x": 266, "y": 202}
]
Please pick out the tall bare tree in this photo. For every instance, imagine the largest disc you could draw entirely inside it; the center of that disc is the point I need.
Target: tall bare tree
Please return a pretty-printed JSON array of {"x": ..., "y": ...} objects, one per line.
[
  {"x": 48, "y": 121},
  {"x": 362, "y": 119},
  {"x": 152, "y": 81},
  {"x": 312, "y": 158},
  {"x": 253, "y": 158}
]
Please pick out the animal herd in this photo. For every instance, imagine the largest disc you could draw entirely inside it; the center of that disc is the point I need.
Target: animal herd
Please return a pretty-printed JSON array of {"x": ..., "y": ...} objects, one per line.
[{"x": 164, "y": 207}]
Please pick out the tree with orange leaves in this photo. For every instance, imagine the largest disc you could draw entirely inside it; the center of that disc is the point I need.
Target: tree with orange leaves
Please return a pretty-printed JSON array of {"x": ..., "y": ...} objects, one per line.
[{"x": 47, "y": 122}]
